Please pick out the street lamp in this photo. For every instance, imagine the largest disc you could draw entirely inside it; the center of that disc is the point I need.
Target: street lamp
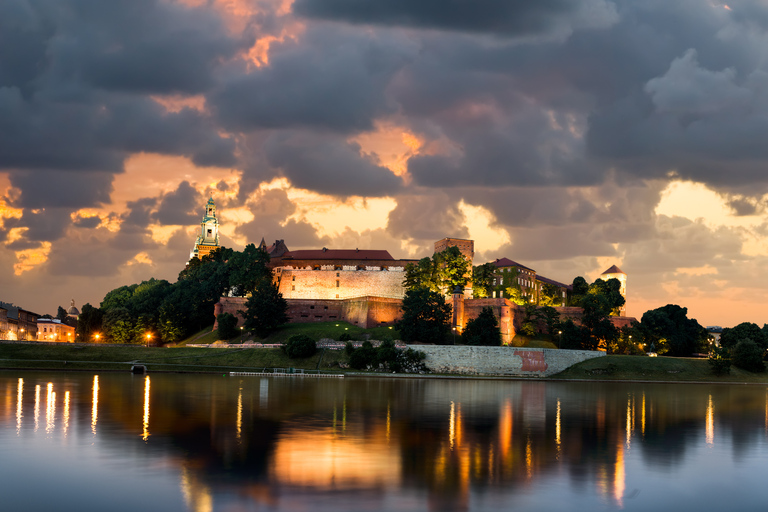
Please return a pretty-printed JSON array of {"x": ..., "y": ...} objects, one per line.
[
  {"x": 97, "y": 338},
  {"x": 559, "y": 338},
  {"x": 149, "y": 336},
  {"x": 22, "y": 333},
  {"x": 454, "y": 334}
]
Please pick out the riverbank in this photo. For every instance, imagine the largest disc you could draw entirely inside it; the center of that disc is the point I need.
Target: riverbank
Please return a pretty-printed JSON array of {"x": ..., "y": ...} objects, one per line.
[{"x": 37, "y": 356}]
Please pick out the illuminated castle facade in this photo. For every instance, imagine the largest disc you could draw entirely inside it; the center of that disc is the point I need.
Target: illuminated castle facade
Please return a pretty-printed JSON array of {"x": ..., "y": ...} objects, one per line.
[{"x": 208, "y": 239}]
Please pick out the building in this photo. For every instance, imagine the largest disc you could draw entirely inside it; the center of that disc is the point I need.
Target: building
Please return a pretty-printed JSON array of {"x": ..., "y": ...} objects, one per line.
[
  {"x": 73, "y": 312},
  {"x": 52, "y": 329},
  {"x": 3, "y": 323},
  {"x": 511, "y": 273},
  {"x": 22, "y": 324},
  {"x": 208, "y": 239},
  {"x": 615, "y": 273}
]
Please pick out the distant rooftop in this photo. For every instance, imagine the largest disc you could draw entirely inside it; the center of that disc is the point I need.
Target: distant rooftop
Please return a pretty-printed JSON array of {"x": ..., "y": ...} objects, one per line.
[{"x": 613, "y": 270}]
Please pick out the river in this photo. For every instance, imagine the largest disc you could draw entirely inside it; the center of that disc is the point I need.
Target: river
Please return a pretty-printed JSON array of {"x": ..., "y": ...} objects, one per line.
[{"x": 203, "y": 443}]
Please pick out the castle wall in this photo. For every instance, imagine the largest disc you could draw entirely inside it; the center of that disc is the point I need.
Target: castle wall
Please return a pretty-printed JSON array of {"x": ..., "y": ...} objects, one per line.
[
  {"x": 364, "y": 312},
  {"x": 506, "y": 361},
  {"x": 347, "y": 283}
]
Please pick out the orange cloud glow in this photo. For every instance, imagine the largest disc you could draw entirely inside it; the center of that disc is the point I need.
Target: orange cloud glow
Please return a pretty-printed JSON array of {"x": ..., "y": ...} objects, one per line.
[{"x": 31, "y": 258}]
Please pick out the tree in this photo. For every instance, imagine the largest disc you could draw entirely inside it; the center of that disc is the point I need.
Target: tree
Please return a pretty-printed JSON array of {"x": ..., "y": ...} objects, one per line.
[
  {"x": 88, "y": 323},
  {"x": 748, "y": 355},
  {"x": 300, "y": 346},
  {"x": 170, "y": 324},
  {"x": 119, "y": 326},
  {"x": 720, "y": 360},
  {"x": 454, "y": 268},
  {"x": 61, "y": 314},
  {"x": 746, "y": 330},
  {"x": 444, "y": 271},
  {"x": 483, "y": 330},
  {"x": 425, "y": 316},
  {"x": 670, "y": 329},
  {"x": 611, "y": 290},
  {"x": 266, "y": 309},
  {"x": 227, "y": 323},
  {"x": 578, "y": 290},
  {"x": 424, "y": 274},
  {"x": 550, "y": 295},
  {"x": 247, "y": 269},
  {"x": 482, "y": 280}
]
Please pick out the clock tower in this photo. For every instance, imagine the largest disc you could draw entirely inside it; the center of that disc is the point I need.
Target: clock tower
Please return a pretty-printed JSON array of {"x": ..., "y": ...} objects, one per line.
[{"x": 208, "y": 239}]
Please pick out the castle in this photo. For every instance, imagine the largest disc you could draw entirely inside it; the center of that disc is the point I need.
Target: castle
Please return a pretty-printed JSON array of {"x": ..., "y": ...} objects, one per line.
[{"x": 365, "y": 287}]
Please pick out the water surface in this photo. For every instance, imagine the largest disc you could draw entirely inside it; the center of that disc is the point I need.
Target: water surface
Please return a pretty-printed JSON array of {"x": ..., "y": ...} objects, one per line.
[{"x": 202, "y": 443}]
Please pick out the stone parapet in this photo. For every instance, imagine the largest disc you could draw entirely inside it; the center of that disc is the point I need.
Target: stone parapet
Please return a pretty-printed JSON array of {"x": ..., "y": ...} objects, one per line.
[{"x": 505, "y": 361}]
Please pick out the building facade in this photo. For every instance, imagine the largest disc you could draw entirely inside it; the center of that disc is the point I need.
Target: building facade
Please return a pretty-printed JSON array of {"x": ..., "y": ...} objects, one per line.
[
  {"x": 52, "y": 329},
  {"x": 467, "y": 249},
  {"x": 21, "y": 324}
]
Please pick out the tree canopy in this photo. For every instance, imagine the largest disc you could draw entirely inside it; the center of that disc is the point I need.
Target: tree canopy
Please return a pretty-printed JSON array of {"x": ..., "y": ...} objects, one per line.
[
  {"x": 425, "y": 316},
  {"x": 441, "y": 273},
  {"x": 671, "y": 331},
  {"x": 483, "y": 330},
  {"x": 745, "y": 330}
]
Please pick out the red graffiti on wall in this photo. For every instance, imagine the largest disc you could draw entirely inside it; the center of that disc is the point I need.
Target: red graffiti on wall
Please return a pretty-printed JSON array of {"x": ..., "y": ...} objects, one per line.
[{"x": 533, "y": 361}]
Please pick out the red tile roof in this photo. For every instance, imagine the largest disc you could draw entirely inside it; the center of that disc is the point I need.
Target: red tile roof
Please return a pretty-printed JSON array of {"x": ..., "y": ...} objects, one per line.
[{"x": 339, "y": 254}]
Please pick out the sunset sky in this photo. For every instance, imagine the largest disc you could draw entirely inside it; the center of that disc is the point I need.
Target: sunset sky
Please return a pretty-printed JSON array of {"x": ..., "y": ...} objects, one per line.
[{"x": 567, "y": 135}]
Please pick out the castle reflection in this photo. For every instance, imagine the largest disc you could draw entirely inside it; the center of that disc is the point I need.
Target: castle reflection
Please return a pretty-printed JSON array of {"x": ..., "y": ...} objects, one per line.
[{"x": 265, "y": 441}]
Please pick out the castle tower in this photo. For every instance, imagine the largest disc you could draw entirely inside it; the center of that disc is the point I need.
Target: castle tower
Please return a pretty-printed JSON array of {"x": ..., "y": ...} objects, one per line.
[
  {"x": 208, "y": 239},
  {"x": 615, "y": 273}
]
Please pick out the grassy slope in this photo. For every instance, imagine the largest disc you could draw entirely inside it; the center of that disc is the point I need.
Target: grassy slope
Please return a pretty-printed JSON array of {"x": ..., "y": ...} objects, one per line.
[
  {"x": 156, "y": 359},
  {"x": 655, "y": 369},
  {"x": 315, "y": 330}
]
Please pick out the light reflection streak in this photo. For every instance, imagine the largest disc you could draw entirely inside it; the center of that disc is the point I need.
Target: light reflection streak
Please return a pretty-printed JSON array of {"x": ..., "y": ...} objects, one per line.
[
  {"x": 452, "y": 426},
  {"x": 619, "y": 477},
  {"x": 66, "y": 412},
  {"x": 389, "y": 422},
  {"x": 710, "y": 429},
  {"x": 629, "y": 421},
  {"x": 505, "y": 428},
  {"x": 642, "y": 424},
  {"x": 558, "y": 427},
  {"x": 19, "y": 408},
  {"x": 95, "y": 407},
  {"x": 145, "y": 434},
  {"x": 529, "y": 457},
  {"x": 37, "y": 406},
  {"x": 239, "y": 427},
  {"x": 50, "y": 409}
]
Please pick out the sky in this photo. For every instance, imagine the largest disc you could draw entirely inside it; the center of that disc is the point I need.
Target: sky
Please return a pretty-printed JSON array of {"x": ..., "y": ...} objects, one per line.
[{"x": 567, "y": 135}]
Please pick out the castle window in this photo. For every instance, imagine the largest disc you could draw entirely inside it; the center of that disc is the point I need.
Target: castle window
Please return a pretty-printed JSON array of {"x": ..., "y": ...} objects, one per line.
[
  {"x": 337, "y": 283},
  {"x": 311, "y": 307},
  {"x": 293, "y": 288},
  {"x": 293, "y": 278},
  {"x": 325, "y": 307},
  {"x": 337, "y": 295},
  {"x": 337, "y": 275}
]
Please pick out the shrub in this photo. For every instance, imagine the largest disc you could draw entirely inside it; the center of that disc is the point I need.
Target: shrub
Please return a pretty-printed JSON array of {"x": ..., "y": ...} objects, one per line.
[
  {"x": 349, "y": 348},
  {"x": 748, "y": 355},
  {"x": 227, "y": 325},
  {"x": 300, "y": 346},
  {"x": 720, "y": 360},
  {"x": 345, "y": 337},
  {"x": 363, "y": 357}
]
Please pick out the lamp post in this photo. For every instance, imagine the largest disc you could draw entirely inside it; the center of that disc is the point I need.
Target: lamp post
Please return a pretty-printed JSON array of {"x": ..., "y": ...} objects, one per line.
[
  {"x": 454, "y": 334},
  {"x": 149, "y": 336},
  {"x": 22, "y": 334},
  {"x": 559, "y": 338}
]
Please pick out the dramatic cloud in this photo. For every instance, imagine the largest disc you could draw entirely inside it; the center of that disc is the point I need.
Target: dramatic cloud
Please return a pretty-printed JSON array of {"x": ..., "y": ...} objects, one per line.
[{"x": 567, "y": 135}]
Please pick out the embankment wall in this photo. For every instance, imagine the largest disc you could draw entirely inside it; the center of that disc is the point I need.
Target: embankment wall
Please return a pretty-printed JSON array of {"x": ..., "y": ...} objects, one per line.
[{"x": 507, "y": 361}]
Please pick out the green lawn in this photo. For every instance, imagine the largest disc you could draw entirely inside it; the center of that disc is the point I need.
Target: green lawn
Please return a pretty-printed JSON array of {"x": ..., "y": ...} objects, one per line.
[
  {"x": 315, "y": 330},
  {"x": 654, "y": 368},
  {"x": 74, "y": 357}
]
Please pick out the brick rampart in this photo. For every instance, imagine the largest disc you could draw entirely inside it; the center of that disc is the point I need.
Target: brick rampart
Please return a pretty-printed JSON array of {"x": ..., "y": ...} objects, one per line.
[
  {"x": 364, "y": 312},
  {"x": 506, "y": 361}
]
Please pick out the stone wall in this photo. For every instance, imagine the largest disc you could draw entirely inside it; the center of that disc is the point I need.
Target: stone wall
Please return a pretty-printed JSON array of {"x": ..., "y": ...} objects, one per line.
[
  {"x": 505, "y": 361},
  {"x": 364, "y": 312},
  {"x": 330, "y": 283}
]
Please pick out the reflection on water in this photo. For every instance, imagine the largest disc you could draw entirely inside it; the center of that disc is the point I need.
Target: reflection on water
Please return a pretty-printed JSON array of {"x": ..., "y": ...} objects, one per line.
[{"x": 218, "y": 443}]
